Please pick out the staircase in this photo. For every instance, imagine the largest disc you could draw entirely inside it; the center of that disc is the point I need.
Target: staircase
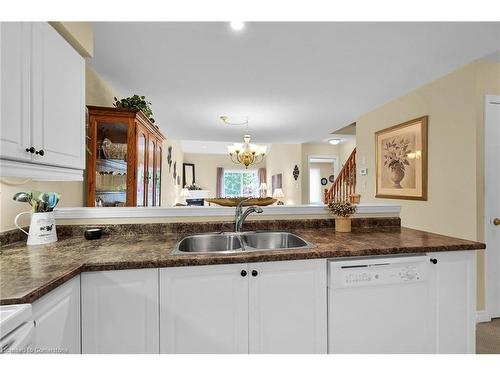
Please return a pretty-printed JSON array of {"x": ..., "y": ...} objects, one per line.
[{"x": 344, "y": 186}]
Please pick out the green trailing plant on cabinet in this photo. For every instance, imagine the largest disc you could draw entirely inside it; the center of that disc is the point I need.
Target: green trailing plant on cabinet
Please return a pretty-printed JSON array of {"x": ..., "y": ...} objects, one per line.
[{"x": 136, "y": 102}]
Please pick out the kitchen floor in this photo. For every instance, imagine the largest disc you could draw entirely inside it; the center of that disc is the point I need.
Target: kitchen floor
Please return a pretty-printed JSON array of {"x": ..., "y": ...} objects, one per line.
[{"x": 488, "y": 337}]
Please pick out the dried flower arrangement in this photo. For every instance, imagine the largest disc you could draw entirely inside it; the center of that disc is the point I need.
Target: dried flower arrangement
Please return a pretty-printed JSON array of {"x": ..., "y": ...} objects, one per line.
[
  {"x": 342, "y": 209},
  {"x": 396, "y": 153}
]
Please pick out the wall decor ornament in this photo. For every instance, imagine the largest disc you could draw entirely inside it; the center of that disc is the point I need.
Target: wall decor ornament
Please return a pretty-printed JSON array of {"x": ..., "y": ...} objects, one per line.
[
  {"x": 331, "y": 178},
  {"x": 401, "y": 160},
  {"x": 324, "y": 181},
  {"x": 296, "y": 172},
  {"x": 175, "y": 170},
  {"x": 169, "y": 158}
]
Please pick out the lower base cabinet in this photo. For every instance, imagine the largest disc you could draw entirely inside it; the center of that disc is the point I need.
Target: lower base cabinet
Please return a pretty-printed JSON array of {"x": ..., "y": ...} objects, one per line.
[
  {"x": 288, "y": 307},
  {"x": 204, "y": 309},
  {"x": 455, "y": 278},
  {"x": 57, "y": 320},
  {"x": 269, "y": 307},
  {"x": 120, "y": 311},
  {"x": 272, "y": 307}
]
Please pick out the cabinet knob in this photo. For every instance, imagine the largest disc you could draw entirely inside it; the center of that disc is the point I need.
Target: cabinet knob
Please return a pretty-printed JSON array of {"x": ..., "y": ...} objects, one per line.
[
  {"x": 254, "y": 273},
  {"x": 41, "y": 152},
  {"x": 434, "y": 261},
  {"x": 31, "y": 149},
  {"x": 243, "y": 273},
  {"x": 496, "y": 221}
]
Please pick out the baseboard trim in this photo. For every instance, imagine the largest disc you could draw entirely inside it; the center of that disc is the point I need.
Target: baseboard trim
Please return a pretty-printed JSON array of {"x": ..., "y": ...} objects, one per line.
[{"x": 483, "y": 316}]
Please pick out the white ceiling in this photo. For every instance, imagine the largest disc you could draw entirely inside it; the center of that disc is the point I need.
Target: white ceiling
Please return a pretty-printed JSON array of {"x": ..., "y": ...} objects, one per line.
[
  {"x": 211, "y": 147},
  {"x": 296, "y": 81}
]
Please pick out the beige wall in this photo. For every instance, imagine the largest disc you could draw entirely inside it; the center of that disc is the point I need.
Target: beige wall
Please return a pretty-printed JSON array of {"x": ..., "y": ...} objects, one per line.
[
  {"x": 345, "y": 149},
  {"x": 455, "y": 105},
  {"x": 97, "y": 90},
  {"x": 282, "y": 159},
  {"x": 170, "y": 190},
  {"x": 325, "y": 170},
  {"x": 316, "y": 149},
  {"x": 79, "y": 34}
]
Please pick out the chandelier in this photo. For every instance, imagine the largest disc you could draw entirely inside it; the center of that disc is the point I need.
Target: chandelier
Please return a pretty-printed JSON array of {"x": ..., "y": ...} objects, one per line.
[{"x": 245, "y": 153}]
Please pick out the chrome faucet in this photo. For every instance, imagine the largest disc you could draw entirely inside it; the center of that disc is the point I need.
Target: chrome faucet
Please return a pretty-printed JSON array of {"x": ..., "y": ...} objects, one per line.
[{"x": 240, "y": 216}]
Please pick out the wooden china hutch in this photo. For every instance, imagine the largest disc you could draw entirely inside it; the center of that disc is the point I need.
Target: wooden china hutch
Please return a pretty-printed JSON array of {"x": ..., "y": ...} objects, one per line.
[{"x": 124, "y": 159}]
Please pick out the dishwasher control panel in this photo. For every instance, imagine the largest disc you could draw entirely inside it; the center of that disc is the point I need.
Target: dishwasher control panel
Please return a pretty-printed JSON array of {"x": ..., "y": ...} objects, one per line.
[{"x": 377, "y": 273}]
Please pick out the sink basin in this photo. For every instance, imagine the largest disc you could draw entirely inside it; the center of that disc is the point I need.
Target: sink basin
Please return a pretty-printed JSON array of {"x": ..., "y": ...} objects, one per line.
[
  {"x": 207, "y": 243},
  {"x": 273, "y": 240},
  {"x": 237, "y": 242}
]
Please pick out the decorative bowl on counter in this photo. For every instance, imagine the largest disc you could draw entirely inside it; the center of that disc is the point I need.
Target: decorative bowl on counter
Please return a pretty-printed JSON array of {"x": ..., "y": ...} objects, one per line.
[{"x": 232, "y": 202}]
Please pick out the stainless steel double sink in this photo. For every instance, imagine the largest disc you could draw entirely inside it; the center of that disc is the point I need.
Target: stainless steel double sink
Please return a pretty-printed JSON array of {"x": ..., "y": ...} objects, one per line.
[{"x": 231, "y": 242}]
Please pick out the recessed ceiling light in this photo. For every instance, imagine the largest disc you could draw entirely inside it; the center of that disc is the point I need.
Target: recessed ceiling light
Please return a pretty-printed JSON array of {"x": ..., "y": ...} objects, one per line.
[
  {"x": 335, "y": 141},
  {"x": 237, "y": 25}
]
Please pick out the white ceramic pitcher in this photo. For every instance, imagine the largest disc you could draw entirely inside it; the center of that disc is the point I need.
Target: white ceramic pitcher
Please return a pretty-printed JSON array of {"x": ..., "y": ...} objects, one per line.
[{"x": 42, "y": 227}]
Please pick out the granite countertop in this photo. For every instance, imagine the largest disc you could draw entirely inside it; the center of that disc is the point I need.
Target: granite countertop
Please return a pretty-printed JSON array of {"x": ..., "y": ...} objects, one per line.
[{"x": 27, "y": 273}]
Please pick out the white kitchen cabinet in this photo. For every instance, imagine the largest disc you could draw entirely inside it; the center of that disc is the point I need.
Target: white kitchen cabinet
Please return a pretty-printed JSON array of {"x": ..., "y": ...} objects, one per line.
[
  {"x": 15, "y": 90},
  {"x": 58, "y": 108},
  {"x": 42, "y": 104},
  {"x": 120, "y": 311},
  {"x": 204, "y": 309},
  {"x": 288, "y": 307},
  {"x": 275, "y": 307},
  {"x": 455, "y": 293},
  {"x": 57, "y": 320}
]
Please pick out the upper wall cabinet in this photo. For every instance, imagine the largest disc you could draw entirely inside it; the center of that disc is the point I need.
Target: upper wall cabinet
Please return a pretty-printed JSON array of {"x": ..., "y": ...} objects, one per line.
[{"x": 42, "y": 104}]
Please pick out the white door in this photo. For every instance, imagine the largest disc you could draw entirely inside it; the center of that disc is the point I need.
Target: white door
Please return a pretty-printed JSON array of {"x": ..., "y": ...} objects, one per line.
[
  {"x": 455, "y": 277},
  {"x": 204, "y": 309},
  {"x": 492, "y": 204},
  {"x": 58, "y": 107},
  {"x": 288, "y": 307},
  {"x": 315, "y": 186},
  {"x": 57, "y": 320},
  {"x": 15, "y": 90},
  {"x": 120, "y": 311}
]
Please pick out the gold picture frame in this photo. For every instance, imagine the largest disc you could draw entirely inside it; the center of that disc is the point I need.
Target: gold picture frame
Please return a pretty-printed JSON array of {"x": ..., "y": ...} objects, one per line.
[{"x": 401, "y": 160}]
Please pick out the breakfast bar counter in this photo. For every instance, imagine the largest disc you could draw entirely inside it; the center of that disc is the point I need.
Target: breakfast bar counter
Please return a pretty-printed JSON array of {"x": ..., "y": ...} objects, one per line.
[{"x": 29, "y": 272}]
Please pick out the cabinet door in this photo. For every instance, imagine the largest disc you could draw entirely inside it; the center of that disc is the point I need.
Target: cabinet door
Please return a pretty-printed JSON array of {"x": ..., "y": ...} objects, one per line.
[
  {"x": 288, "y": 307},
  {"x": 204, "y": 309},
  {"x": 151, "y": 169},
  {"x": 141, "y": 166},
  {"x": 15, "y": 90},
  {"x": 455, "y": 277},
  {"x": 57, "y": 320},
  {"x": 120, "y": 311},
  {"x": 157, "y": 177},
  {"x": 58, "y": 94}
]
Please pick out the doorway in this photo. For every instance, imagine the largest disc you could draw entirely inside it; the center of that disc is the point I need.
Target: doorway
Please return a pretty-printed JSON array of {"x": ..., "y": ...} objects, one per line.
[
  {"x": 492, "y": 204},
  {"x": 322, "y": 172}
]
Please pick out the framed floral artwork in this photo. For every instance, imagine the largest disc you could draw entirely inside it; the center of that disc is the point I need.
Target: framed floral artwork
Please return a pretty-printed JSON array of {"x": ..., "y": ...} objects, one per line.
[{"x": 401, "y": 160}]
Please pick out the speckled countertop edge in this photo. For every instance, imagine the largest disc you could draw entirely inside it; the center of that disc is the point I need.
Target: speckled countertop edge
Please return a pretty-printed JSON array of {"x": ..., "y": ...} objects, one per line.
[{"x": 30, "y": 272}]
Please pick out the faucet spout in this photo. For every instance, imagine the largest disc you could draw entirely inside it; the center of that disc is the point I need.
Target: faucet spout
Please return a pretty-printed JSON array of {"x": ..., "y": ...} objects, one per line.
[{"x": 240, "y": 216}]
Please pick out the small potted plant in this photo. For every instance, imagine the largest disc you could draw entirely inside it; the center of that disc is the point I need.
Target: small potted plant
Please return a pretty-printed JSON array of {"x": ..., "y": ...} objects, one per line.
[
  {"x": 342, "y": 212},
  {"x": 136, "y": 102}
]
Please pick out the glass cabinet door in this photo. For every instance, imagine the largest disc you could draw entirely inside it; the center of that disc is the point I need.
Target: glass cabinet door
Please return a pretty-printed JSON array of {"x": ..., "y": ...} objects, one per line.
[
  {"x": 151, "y": 172},
  {"x": 111, "y": 164},
  {"x": 158, "y": 175},
  {"x": 141, "y": 169}
]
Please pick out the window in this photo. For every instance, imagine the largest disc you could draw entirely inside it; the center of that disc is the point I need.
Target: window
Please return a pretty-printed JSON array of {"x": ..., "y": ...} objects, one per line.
[{"x": 243, "y": 183}]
